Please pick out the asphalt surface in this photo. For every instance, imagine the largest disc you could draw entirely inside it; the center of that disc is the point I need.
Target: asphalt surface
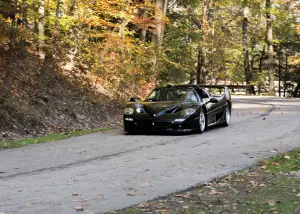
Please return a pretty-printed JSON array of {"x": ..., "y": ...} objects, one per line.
[{"x": 108, "y": 171}]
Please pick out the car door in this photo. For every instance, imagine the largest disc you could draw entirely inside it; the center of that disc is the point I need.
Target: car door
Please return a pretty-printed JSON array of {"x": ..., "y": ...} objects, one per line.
[{"x": 213, "y": 108}]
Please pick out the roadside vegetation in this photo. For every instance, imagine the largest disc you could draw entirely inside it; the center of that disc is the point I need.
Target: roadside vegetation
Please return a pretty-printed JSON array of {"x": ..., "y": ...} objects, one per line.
[
  {"x": 273, "y": 186},
  {"x": 48, "y": 138}
]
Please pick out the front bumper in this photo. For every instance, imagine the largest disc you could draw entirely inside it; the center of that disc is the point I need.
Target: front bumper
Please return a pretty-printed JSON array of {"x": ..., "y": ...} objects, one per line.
[{"x": 158, "y": 125}]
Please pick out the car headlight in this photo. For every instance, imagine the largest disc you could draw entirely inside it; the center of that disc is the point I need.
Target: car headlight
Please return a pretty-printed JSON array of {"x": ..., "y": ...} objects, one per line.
[
  {"x": 128, "y": 111},
  {"x": 139, "y": 110},
  {"x": 188, "y": 111}
]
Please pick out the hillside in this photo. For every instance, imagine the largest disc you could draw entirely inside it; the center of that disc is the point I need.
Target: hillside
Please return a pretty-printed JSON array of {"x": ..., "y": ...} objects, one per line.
[{"x": 39, "y": 99}]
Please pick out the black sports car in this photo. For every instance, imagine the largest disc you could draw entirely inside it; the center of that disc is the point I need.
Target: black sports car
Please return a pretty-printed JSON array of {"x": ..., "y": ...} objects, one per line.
[{"x": 181, "y": 108}]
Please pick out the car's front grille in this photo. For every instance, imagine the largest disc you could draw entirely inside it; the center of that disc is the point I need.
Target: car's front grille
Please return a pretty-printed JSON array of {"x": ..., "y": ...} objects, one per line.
[
  {"x": 149, "y": 124},
  {"x": 162, "y": 124}
]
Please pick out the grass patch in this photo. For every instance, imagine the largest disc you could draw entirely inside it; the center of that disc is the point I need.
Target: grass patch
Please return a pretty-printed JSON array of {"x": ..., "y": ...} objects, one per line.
[
  {"x": 47, "y": 138},
  {"x": 271, "y": 187},
  {"x": 284, "y": 163}
]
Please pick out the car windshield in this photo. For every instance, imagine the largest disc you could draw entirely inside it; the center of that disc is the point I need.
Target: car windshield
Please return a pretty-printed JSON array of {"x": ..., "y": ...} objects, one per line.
[{"x": 172, "y": 94}]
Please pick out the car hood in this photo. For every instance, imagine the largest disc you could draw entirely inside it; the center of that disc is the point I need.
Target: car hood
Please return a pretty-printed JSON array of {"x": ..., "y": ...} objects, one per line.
[{"x": 159, "y": 108}]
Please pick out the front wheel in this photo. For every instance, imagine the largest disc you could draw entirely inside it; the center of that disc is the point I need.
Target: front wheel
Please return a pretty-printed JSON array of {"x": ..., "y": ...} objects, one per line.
[
  {"x": 227, "y": 115},
  {"x": 202, "y": 121}
]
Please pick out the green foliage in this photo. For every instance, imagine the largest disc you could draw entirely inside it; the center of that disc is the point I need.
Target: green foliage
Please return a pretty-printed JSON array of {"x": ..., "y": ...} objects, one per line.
[
  {"x": 103, "y": 39},
  {"x": 47, "y": 138}
]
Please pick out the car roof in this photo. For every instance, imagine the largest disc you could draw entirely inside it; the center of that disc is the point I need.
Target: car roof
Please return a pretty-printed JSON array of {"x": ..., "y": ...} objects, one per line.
[{"x": 180, "y": 86}]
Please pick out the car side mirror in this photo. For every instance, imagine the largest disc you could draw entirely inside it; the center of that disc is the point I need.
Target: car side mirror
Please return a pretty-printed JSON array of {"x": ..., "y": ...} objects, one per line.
[
  {"x": 134, "y": 99},
  {"x": 213, "y": 100}
]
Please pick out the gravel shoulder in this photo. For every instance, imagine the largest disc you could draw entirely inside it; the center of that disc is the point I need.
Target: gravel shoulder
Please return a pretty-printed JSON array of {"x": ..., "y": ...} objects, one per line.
[{"x": 109, "y": 171}]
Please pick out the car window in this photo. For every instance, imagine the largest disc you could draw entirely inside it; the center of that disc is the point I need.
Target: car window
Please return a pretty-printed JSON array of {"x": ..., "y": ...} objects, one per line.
[
  {"x": 204, "y": 94},
  {"x": 154, "y": 95},
  {"x": 192, "y": 97},
  {"x": 172, "y": 94}
]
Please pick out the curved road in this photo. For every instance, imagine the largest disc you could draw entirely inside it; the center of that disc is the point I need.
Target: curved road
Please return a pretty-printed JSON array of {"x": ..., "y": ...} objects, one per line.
[{"x": 109, "y": 171}]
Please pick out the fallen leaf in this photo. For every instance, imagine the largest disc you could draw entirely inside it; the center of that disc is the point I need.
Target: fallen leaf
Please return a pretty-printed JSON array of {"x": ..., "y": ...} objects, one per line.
[
  {"x": 144, "y": 205},
  {"x": 101, "y": 197},
  {"x": 80, "y": 200},
  {"x": 75, "y": 194},
  {"x": 45, "y": 177},
  {"x": 78, "y": 209},
  {"x": 131, "y": 194},
  {"x": 147, "y": 184},
  {"x": 220, "y": 166},
  {"x": 253, "y": 183},
  {"x": 271, "y": 202},
  {"x": 214, "y": 192}
]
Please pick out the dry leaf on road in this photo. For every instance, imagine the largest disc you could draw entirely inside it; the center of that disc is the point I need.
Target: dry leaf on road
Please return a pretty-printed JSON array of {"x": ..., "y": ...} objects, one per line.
[
  {"x": 220, "y": 166},
  {"x": 101, "y": 197},
  {"x": 78, "y": 209}
]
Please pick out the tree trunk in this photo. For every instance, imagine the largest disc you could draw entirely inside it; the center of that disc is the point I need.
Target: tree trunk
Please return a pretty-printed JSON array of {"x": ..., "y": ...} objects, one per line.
[
  {"x": 245, "y": 46},
  {"x": 41, "y": 29},
  {"x": 72, "y": 8},
  {"x": 200, "y": 65},
  {"x": 159, "y": 14},
  {"x": 270, "y": 48},
  {"x": 200, "y": 76},
  {"x": 25, "y": 21},
  {"x": 12, "y": 33},
  {"x": 279, "y": 71},
  {"x": 25, "y": 24},
  {"x": 56, "y": 27},
  {"x": 295, "y": 93},
  {"x": 143, "y": 33},
  {"x": 285, "y": 72},
  {"x": 165, "y": 14},
  {"x": 260, "y": 68}
]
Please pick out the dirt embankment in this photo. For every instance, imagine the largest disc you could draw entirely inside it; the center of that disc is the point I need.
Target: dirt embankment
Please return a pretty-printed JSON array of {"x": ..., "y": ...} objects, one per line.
[{"x": 38, "y": 99}]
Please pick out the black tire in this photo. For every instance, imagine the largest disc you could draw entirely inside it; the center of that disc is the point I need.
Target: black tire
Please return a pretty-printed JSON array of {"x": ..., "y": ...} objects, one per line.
[
  {"x": 202, "y": 121},
  {"x": 128, "y": 132}
]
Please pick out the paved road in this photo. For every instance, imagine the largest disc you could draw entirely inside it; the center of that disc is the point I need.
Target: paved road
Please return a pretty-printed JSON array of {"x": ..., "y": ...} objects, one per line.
[{"x": 109, "y": 171}]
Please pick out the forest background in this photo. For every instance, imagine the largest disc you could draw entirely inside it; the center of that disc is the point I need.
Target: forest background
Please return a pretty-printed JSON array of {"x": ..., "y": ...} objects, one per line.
[{"x": 70, "y": 64}]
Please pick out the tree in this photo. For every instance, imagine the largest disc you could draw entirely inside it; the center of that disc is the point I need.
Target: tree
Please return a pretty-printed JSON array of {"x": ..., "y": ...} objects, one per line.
[
  {"x": 41, "y": 29},
  {"x": 201, "y": 48},
  {"x": 247, "y": 70},
  {"x": 270, "y": 47}
]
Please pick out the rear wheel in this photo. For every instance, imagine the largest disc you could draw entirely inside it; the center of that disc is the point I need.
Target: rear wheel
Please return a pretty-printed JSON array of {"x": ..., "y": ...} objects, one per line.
[
  {"x": 202, "y": 121},
  {"x": 227, "y": 115}
]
